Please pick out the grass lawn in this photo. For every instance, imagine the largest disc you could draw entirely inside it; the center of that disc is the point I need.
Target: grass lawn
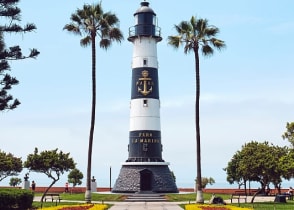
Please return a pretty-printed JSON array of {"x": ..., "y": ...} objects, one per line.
[
  {"x": 270, "y": 206},
  {"x": 191, "y": 197},
  {"x": 187, "y": 197},
  {"x": 80, "y": 197}
]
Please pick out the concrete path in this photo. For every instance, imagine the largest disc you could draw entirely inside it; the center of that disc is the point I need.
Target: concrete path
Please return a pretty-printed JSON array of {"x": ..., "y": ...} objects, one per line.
[
  {"x": 256, "y": 199},
  {"x": 145, "y": 206}
]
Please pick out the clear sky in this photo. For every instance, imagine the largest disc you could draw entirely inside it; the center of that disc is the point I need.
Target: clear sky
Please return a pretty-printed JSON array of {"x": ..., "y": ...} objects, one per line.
[{"x": 246, "y": 90}]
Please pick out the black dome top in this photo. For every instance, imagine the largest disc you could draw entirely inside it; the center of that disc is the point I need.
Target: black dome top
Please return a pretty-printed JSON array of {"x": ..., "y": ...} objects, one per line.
[{"x": 144, "y": 8}]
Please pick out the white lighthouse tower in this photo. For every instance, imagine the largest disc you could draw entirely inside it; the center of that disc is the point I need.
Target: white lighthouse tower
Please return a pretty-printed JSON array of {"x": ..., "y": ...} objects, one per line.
[{"x": 145, "y": 170}]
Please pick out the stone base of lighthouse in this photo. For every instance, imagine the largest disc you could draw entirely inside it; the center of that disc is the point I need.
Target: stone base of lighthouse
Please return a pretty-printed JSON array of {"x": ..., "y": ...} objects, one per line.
[{"x": 145, "y": 177}]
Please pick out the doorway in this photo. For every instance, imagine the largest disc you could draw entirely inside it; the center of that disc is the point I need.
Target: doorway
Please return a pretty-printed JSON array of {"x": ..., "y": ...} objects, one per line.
[{"x": 146, "y": 180}]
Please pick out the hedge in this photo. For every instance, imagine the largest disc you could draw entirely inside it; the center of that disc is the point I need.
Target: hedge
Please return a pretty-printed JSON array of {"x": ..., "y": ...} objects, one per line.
[{"x": 16, "y": 199}]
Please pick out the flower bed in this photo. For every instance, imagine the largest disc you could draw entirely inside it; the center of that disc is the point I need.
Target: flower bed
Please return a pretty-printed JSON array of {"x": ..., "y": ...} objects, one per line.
[
  {"x": 78, "y": 207},
  {"x": 213, "y": 207}
]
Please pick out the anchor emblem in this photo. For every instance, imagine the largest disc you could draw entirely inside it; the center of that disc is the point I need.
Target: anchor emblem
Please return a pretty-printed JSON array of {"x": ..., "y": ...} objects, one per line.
[{"x": 145, "y": 83}]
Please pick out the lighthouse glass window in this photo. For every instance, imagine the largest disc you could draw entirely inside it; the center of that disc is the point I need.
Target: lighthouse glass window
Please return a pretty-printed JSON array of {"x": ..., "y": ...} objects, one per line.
[
  {"x": 136, "y": 19},
  {"x": 145, "y": 62},
  {"x": 145, "y": 103}
]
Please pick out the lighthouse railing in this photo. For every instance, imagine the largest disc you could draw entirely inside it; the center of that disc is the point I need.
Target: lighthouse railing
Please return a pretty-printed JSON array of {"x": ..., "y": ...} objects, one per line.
[{"x": 144, "y": 30}]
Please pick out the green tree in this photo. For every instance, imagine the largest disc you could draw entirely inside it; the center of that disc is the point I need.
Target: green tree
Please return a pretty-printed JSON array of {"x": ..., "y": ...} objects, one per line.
[
  {"x": 91, "y": 22},
  {"x": 260, "y": 162},
  {"x": 288, "y": 161},
  {"x": 289, "y": 133},
  {"x": 205, "y": 181},
  {"x": 197, "y": 35},
  {"x": 75, "y": 177},
  {"x": 9, "y": 165},
  {"x": 233, "y": 172},
  {"x": 14, "y": 181},
  {"x": 287, "y": 165},
  {"x": 10, "y": 12},
  {"x": 51, "y": 163}
]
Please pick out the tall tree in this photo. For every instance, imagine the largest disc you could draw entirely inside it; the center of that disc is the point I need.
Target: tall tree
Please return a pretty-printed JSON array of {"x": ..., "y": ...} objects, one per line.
[
  {"x": 51, "y": 163},
  {"x": 92, "y": 22},
  {"x": 267, "y": 164},
  {"x": 197, "y": 35},
  {"x": 11, "y": 12}
]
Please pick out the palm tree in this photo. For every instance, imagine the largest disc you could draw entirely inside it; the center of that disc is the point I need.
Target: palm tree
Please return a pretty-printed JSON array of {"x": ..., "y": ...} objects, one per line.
[
  {"x": 92, "y": 22},
  {"x": 194, "y": 35}
]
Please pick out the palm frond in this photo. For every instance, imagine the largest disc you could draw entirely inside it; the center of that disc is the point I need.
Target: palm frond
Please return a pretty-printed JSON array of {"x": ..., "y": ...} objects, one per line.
[
  {"x": 200, "y": 28},
  {"x": 85, "y": 12},
  {"x": 76, "y": 19},
  {"x": 207, "y": 50},
  {"x": 111, "y": 19},
  {"x": 217, "y": 43},
  {"x": 178, "y": 29},
  {"x": 89, "y": 25},
  {"x": 115, "y": 34},
  {"x": 189, "y": 46},
  {"x": 211, "y": 31},
  {"x": 174, "y": 41},
  {"x": 105, "y": 43},
  {"x": 86, "y": 41},
  {"x": 72, "y": 28},
  {"x": 98, "y": 10},
  {"x": 185, "y": 27},
  {"x": 193, "y": 22}
]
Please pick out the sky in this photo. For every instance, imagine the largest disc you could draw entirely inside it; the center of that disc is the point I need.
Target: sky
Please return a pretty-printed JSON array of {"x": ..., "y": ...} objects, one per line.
[{"x": 246, "y": 89}]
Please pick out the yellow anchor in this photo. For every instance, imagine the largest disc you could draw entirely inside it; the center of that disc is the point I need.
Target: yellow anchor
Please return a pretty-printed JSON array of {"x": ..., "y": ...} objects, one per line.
[{"x": 146, "y": 81}]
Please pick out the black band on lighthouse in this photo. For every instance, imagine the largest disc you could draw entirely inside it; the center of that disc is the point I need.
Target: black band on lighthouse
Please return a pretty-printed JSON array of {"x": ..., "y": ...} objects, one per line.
[{"x": 145, "y": 146}]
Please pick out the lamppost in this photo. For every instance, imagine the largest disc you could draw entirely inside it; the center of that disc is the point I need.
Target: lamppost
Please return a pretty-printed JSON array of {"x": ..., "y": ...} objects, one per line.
[{"x": 110, "y": 178}]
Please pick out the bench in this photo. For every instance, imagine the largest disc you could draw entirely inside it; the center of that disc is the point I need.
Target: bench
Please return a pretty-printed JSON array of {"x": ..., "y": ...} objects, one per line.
[
  {"x": 239, "y": 194},
  {"x": 287, "y": 195},
  {"x": 280, "y": 198},
  {"x": 52, "y": 197}
]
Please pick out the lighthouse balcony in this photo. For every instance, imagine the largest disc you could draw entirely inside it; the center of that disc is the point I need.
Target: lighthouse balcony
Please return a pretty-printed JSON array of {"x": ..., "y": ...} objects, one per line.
[
  {"x": 145, "y": 30},
  {"x": 144, "y": 159}
]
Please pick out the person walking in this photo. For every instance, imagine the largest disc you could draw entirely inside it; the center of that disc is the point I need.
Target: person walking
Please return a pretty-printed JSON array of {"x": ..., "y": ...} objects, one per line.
[
  {"x": 66, "y": 187},
  {"x": 33, "y": 185}
]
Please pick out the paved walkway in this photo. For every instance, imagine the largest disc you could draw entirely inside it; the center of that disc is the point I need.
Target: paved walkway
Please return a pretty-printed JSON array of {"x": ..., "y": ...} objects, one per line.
[
  {"x": 145, "y": 206},
  {"x": 256, "y": 199}
]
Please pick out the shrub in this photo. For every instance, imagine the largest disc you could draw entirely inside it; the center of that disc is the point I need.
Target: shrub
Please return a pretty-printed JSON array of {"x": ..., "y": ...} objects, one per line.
[{"x": 16, "y": 198}]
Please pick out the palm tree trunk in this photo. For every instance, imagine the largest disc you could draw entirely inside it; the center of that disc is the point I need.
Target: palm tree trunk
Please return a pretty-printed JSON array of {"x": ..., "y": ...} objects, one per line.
[
  {"x": 199, "y": 193},
  {"x": 91, "y": 136}
]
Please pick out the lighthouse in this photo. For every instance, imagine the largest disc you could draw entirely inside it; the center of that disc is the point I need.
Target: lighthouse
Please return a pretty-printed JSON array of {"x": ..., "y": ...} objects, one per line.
[{"x": 145, "y": 170}]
